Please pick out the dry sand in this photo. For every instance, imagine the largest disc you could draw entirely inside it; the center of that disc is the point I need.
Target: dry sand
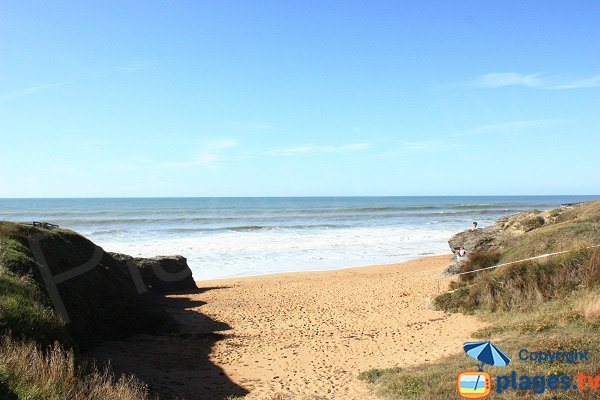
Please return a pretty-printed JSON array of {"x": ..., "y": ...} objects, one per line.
[{"x": 301, "y": 335}]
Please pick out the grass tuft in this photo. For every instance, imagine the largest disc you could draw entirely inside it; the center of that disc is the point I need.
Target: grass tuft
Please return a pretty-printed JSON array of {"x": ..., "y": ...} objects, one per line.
[
  {"x": 477, "y": 261},
  {"x": 591, "y": 272},
  {"x": 394, "y": 382},
  {"x": 523, "y": 285},
  {"x": 23, "y": 312},
  {"x": 27, "y": 372},
  {"x": 589, "y": 307}
]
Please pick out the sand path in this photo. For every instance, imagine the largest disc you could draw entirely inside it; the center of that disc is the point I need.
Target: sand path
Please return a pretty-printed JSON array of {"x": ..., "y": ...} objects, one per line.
[
  {"x": 310, "y": 334},
  {"x": 302, "y": 335}
]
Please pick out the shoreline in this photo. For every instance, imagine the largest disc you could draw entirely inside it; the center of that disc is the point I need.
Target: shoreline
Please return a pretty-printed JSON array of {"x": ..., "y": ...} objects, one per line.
[{"x": 316, "y": 271}]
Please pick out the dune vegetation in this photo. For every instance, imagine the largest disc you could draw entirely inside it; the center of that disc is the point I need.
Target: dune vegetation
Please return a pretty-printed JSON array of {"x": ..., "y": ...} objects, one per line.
[
  {"x": 28, "y": 371},
  {"x": 38, "y": 352},
  {"x": 548, "y": 304}
]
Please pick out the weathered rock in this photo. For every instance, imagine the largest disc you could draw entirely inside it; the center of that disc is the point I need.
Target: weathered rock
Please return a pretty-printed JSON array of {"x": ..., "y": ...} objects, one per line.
[
  {"x": 495, "y": 237},
  {"x": 162, "y": 274},
  {"x": 478, "y": 240}
]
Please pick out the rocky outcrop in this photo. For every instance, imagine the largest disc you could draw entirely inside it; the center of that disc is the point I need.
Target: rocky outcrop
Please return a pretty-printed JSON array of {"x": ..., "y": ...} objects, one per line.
[
  {"x": 90, "y": 295},
  {"x": 162, "y": 274},
  {"x": 497, "y": 236},
  {"x": 478, "y": 240}
]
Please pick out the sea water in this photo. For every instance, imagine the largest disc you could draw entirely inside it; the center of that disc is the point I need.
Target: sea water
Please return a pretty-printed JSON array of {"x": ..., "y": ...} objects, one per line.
[{"x": 233, "y": 237}]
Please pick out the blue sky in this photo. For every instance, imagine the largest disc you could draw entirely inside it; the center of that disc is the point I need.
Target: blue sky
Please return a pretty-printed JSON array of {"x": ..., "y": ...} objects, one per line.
[{"x": 276, "y": 98}]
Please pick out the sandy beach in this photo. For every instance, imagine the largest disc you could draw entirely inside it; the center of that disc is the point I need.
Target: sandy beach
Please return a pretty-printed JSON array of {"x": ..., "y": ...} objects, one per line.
[{"x": 299, "y": 335}]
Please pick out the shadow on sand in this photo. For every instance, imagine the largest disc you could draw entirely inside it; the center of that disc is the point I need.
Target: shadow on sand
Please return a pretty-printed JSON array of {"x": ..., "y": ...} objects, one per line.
[{"x": 175, "y": 365}]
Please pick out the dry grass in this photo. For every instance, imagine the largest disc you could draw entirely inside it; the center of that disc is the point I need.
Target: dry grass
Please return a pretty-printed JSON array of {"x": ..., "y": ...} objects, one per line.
[
  {"x": 548, "y": 305},
  {"x": 591, "y": 272},
  {"x": 589, "y": 307},
  {"x": 477, "y": 261},
  {"x": 552, "y": 238},
  {"x": 28, "y": 373},
  {"x": 525, "y": 285},
  {"x": 589, "y": 211},
  {"x": 553, "y": 326}
]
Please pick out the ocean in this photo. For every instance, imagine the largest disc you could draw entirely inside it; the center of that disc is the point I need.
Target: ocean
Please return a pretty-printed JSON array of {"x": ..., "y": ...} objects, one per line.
[{"x": 233, "y": 237}]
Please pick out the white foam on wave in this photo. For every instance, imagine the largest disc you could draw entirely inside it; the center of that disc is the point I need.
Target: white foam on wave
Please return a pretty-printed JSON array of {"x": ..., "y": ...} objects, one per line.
[{"x": 235, "y": 254}]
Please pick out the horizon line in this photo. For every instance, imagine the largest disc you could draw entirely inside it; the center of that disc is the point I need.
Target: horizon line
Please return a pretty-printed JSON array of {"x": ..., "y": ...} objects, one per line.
[{"x": 290, "y": 197}]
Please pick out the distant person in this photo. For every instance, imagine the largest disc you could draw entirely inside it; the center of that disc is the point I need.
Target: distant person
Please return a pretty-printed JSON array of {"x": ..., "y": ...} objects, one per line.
[
  {"x": 456, "y": 250},
  {"x": 474, "y": 228},
  {"x": 462, "y": 254}
]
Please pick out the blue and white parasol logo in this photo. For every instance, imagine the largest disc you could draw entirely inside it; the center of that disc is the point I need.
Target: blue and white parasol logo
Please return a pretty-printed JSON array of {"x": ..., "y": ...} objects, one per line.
[{"x": 486, "y": 353}]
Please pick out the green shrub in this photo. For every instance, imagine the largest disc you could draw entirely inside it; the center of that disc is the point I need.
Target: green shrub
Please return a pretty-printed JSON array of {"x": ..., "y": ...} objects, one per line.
[
  {"x": 532, "y": 223},
  {"x": 479, "y": 260},
  {"x": 24, "y": 314},
  {"x": 16, "y": 258}
]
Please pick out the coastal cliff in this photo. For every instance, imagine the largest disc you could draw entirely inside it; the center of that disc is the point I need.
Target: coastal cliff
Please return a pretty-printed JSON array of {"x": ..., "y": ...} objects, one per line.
[
  {"x": 59, "y": 286},
  {"x": 530, "y": 233},
  {"x": 62, "y": 295}
]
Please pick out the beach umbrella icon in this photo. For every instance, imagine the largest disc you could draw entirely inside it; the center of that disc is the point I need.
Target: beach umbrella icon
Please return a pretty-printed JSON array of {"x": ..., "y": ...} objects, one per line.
[{"x": 486, "y": 353}]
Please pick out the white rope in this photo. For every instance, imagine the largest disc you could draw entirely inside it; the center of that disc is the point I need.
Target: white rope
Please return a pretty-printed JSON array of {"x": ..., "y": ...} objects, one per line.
[{"x": 512, "y": 262}]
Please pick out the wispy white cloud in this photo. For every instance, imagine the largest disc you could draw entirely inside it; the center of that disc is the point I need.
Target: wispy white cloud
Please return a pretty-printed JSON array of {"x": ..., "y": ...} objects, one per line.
[
  {"x": 214, "y": 152},
  {"x": 30, "y": 90},
  {"x": 423, "y": 144},
  {"x": 589, "y": 82},
  {"x": 513, "y": 126},
  {"x": 81, "y": 76},
  {"x": 315, "y": 149},
  {"x": 468, "y": 136},
  {"x": 535, "y": 80},
  {"x": 500, "y": 79},
  {"x": 138, "y": 65},
  {"x": 208, "y": 156},
  {"x": 123, "y": 68},
  {"x": 405, "y": 147}
]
